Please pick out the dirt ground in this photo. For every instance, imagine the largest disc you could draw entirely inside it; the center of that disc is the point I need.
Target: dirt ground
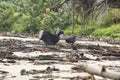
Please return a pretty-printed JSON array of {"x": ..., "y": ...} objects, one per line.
[{"x": 26, "y": 58}]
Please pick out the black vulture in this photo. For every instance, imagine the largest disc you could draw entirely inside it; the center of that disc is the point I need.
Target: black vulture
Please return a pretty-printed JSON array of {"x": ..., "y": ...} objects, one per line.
[
  {"x": 49, "y": 38},
  {"x": 71, "y": 40}
]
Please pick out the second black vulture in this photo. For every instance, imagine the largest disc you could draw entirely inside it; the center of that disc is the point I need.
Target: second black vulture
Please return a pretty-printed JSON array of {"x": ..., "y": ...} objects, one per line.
[
  {"x": 71, "y": 40},
  {"x": 49, "y": 38}
]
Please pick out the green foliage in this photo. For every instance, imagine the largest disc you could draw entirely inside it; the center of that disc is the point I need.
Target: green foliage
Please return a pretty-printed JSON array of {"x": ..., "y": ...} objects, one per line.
[
  {"x": 20, "y": 24},
  {"x": 110, "y": 26},
  {"x": 51, "y": 20},
  {"x": 29, "y": 15},
  {"x": 112, "y": 31},
  {"x": 77, "y": 30},
  {"x": 54, "y": 20},
  {"x": 113, "y": 17},
  {"x": 6, "y": 16},
  {"x": 32, "y": 15}
]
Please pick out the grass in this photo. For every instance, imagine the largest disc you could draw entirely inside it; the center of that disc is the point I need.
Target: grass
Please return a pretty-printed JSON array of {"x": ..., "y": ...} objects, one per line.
[
  {"x": 20, "y": 25},
  {"x": 112, "y": 32},
  {"x": 109, "y": 28},
  {"x": 77, "y": 30}
]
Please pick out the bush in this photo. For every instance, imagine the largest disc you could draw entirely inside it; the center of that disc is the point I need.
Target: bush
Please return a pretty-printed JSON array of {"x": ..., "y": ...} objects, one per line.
[
  {"x": 112, "y": 31},
  {"x": 20, "y": 24}
]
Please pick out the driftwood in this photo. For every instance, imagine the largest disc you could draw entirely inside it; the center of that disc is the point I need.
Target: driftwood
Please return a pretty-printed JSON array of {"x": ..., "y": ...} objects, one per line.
[
  {"x": 6, "y": 52},
  {"x": 101, "y": 71},
  {"x": 111, "y": 54},
  {"x": 49, "y": 57}
]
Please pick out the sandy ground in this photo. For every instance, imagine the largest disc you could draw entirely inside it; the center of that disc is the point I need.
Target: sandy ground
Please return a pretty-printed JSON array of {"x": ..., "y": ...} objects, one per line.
[{"x": 65, "y": 72}]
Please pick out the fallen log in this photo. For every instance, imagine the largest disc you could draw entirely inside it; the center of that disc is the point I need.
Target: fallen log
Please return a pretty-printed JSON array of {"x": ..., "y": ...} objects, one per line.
[
  {"x": 101, "y": 71},
  {"x": 110, "y": 58},
  {"x": 49, "y": 57},
  {"x": 5, "y": 53},
  {"x": 111, "y": 54}
]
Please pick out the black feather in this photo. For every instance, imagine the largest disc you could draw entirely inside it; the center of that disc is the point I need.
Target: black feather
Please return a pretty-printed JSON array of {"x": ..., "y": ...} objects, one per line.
[
  {"x": 49, "y": 38},
  {"x": 71, "y": 39}
]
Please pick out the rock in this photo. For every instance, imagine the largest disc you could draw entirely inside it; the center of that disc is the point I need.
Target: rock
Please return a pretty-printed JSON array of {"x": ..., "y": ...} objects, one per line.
[
  {"x": 49, "y": 69},
  {"x": 11, "y": 61},
  {"x": 3, "y": 72},
  {"x": 55, "y": 69},
  {"x": 23, "y": 72}
]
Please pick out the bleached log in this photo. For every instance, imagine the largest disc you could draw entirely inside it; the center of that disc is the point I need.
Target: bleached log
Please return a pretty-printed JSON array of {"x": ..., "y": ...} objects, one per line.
[{"x": 97, "y": 70}]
